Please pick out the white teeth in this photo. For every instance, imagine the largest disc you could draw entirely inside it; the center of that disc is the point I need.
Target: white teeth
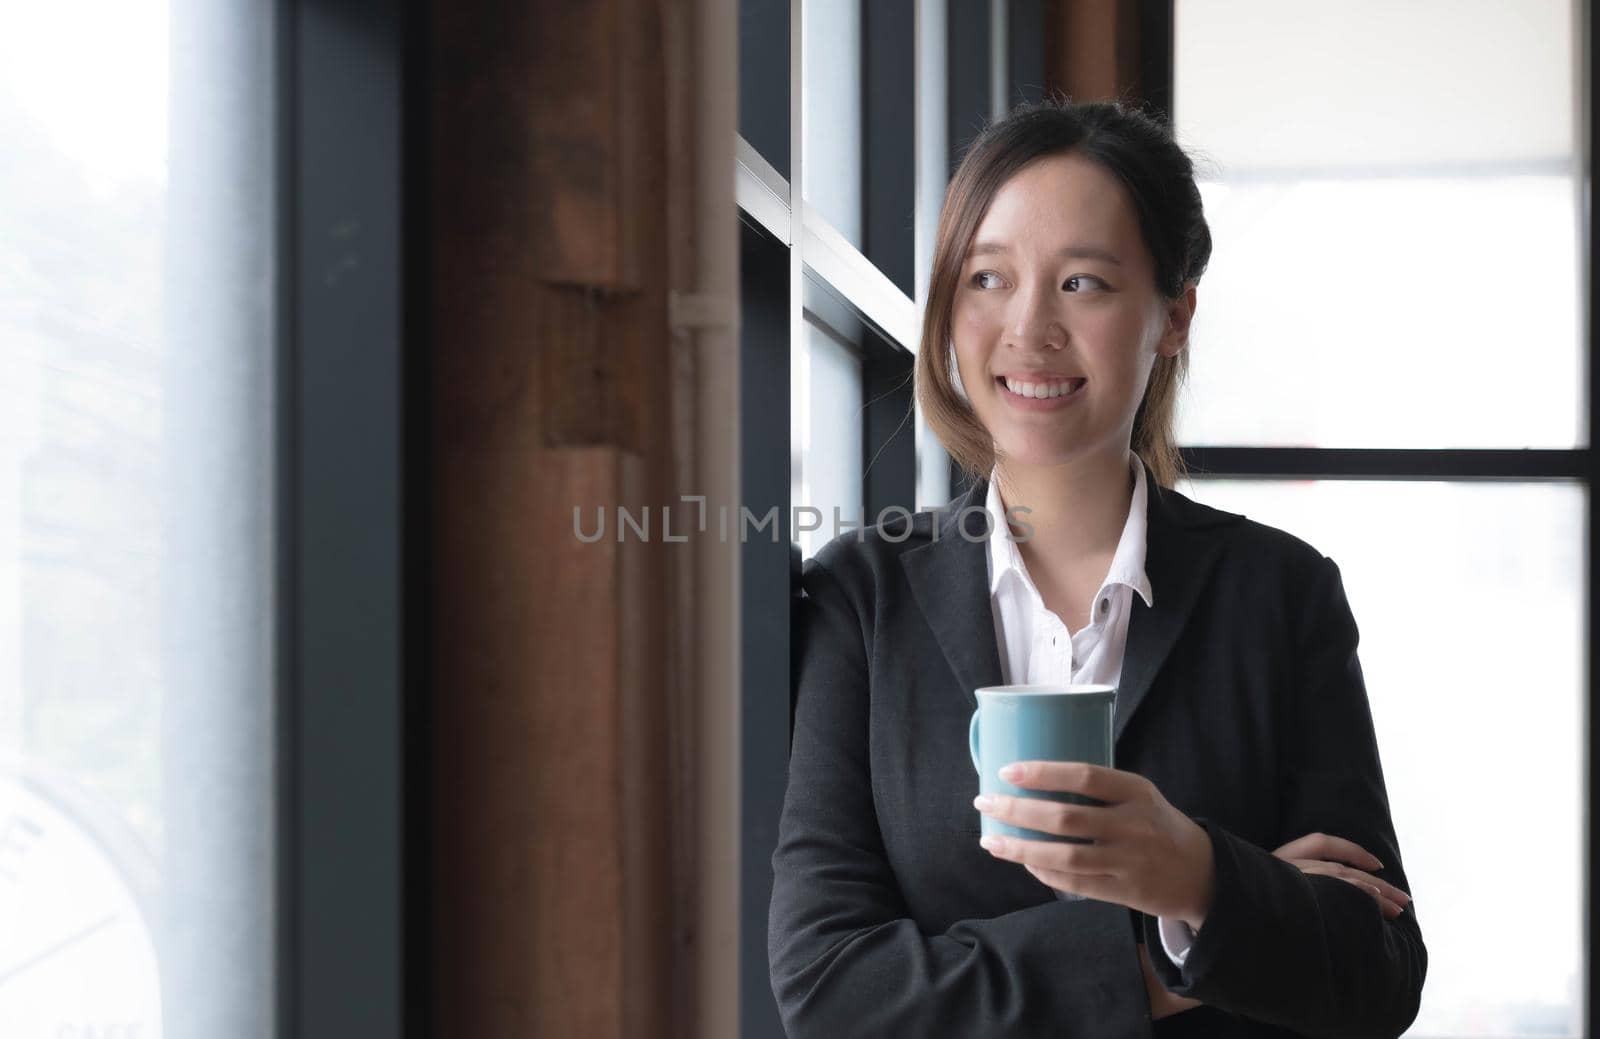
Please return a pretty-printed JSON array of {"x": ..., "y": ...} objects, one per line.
[{"x": 1037, "y": 390}]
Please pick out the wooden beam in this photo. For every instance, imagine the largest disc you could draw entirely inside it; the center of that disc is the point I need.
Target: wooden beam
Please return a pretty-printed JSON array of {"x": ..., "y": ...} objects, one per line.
[
  {"x": 1094, "y": 48},
  {"x": 560, "y": 847}
]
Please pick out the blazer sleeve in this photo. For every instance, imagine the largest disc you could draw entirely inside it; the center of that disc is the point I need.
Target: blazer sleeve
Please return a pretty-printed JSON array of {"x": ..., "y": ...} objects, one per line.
[
  {"x": 845, "y": 957},
  {"x": 1312, "y": 953}
]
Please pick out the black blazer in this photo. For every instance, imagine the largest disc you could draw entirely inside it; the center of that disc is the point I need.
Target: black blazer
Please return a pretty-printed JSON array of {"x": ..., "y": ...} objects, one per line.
[{"x": 1241, "y": 698}]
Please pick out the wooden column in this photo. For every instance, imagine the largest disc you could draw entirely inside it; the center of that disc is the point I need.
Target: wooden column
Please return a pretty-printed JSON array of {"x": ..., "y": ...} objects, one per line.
[
  {"x": 1101, "y": 50},
  {"x": 560, "y": 845}
]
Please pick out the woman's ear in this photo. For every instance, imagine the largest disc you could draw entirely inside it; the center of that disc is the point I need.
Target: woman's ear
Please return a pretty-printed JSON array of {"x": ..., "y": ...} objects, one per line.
[{"x": 1180, "y": 313}]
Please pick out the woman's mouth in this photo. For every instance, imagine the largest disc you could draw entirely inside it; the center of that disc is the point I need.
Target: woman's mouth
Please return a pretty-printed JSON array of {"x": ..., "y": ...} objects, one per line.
[{"x": 1038, "y": 394}]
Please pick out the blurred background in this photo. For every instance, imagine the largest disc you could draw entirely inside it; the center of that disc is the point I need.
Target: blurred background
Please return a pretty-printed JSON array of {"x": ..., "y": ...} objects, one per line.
[{"x": 323, "y": 324}]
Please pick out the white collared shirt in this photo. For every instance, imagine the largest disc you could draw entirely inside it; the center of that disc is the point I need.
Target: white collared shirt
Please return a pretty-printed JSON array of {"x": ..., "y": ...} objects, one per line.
[{"x": 1036, "y": 647}]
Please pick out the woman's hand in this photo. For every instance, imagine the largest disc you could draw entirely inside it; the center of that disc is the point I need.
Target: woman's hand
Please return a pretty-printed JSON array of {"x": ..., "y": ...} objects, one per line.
[
  {"x": 1146, "y": 854},
  {"x": 1333, "y": 857}
]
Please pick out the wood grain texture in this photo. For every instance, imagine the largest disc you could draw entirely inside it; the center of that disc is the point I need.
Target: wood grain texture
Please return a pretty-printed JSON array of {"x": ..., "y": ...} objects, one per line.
[{"x": 560, "y": 850}]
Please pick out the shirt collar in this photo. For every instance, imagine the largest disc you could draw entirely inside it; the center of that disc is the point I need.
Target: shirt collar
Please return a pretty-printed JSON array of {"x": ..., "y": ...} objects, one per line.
[{"x": 1127, "y": 563}]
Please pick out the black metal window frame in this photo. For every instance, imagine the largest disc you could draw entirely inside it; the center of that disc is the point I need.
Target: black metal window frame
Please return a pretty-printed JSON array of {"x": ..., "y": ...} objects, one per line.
[{"x": 350, "y": 489}]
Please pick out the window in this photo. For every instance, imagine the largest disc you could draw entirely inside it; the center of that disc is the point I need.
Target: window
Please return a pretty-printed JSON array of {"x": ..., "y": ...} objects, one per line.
[
  {"x": 868, "y": 106},
  {"x": 827, "y": 402},
  {"x": 201, "y": 655},
  {"x": 1395, "y": 307},
  {"x": 1397, "y": 233},
  {"x": 137, "y": 351}
]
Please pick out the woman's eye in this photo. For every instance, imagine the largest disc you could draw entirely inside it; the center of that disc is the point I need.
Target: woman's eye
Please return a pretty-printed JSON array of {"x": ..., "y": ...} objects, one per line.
[{"x": 1076, "y": 283}]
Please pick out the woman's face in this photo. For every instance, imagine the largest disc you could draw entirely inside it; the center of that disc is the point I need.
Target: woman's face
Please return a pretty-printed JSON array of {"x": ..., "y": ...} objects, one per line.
[{"x": 1056, "y": 319}]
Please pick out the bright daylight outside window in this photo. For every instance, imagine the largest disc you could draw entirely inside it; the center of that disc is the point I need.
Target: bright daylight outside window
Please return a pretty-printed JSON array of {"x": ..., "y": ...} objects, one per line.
[
  {"x": 136, "y": 297},
  {"x": 825, "y": 381},
  {"x": 1394, "y": 195}
]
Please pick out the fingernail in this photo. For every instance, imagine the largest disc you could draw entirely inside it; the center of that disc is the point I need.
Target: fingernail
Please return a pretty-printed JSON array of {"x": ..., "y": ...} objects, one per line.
[
  {"x": 1011, "y": 772},
  {"x": 991, "y": 843},
  {"x": 983, "y": 802}
]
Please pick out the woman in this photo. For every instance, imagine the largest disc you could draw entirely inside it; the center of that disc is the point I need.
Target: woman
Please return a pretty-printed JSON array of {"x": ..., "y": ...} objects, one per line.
[{"x": 1059, "y": 307}]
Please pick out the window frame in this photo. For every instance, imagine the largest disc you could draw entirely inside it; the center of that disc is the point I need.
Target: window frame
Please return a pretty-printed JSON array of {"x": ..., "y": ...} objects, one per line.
[{"x": 350, "y": 488}]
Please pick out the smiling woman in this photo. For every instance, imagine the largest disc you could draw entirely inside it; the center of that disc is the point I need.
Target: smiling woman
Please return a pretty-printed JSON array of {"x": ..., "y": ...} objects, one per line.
[
  {"x": 1237, "y": 873},
  {"x": 1017, "y": 305},
  {"x": 1111, "y": 219}
]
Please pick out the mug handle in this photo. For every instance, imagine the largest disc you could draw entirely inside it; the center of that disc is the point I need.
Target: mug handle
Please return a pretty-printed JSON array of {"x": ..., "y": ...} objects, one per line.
[{"x": 972, "y": 742}]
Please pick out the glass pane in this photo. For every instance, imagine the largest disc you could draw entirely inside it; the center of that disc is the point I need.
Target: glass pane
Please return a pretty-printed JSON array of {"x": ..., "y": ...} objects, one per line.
[
  {"x": 831, "y": 98},
  {"x": 1368, "y": 83},
  {"x": 1470, "y": 603},
  {"x": 828, "y": 404},
  {"x": 136, "y": 628},
  {"x": 1338, "y": 313},
  {"x": 1397, "y": 235},
  {"x": 933, "y": 162}
]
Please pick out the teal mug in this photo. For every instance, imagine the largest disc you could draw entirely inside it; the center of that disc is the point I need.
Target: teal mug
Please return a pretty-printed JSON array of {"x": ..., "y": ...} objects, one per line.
[{"x": 1039, "y": 723}]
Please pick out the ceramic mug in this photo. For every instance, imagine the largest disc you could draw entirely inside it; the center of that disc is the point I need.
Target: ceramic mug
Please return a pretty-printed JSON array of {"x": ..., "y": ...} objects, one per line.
[{"x": 1039, "y": 723}]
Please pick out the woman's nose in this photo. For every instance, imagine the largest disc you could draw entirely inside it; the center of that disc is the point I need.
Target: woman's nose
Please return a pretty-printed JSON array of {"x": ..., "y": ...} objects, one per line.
[{"x": 1031, "y": 322}]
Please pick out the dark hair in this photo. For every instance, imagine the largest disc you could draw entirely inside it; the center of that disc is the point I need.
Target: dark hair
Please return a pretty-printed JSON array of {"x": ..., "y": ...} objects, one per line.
[{"x": 1136, "y": 147}]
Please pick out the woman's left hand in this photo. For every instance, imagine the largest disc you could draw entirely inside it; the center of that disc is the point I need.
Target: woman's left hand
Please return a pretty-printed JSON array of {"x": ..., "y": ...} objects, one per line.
[
  {"x": 1146, "y": 854},
  {"x": 1349, "y": 862}
]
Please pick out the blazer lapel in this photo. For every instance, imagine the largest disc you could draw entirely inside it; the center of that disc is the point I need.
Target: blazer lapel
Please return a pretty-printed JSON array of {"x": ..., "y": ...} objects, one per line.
[
  {"x": 1179, "y": 554},
  {"x": 949, "y": 578}
]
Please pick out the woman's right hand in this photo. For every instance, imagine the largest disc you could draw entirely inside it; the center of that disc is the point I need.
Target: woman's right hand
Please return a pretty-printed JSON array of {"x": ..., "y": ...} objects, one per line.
[{"x": 1335, "y": 857}]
